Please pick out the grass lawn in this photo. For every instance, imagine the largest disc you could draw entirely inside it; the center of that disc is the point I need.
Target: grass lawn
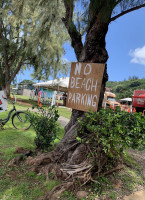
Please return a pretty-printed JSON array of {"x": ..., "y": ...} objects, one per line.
[
  {"x": 19, "y": 183},
  {"x": 62, "y": 111},
  {"x": 21, "y": 97}
]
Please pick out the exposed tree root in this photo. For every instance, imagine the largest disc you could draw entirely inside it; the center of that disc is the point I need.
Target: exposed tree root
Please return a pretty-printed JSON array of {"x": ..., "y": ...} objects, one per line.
[
  {"x": 57, "y": 191},
  {"x": 119, "y": 167},
  {"x": 15, "y": 161},
  {"x": 81, "y": 171}
]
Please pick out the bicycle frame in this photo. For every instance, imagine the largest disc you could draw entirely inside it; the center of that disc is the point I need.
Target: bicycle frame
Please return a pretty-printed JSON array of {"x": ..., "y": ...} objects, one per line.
[
  {"x": 19, "y": 114},
  {"x": 8, "y": 117}
]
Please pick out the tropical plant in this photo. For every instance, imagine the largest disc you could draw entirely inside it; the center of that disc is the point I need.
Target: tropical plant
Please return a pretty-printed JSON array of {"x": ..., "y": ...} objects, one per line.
[{"x": 44, "y": 123}]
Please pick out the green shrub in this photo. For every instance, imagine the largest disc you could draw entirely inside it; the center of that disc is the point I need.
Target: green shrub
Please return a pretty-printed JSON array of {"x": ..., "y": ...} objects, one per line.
[
  {"x": 108, "y": 133},
  {"x": 44, "y": 123}
]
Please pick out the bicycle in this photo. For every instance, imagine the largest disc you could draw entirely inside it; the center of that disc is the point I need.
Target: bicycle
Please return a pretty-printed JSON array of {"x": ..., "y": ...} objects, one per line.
[{"x": 20, "y": 119}]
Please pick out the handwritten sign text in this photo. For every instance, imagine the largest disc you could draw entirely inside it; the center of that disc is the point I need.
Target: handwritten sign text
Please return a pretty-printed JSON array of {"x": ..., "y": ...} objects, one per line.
[{"x": 84, "y": 86}]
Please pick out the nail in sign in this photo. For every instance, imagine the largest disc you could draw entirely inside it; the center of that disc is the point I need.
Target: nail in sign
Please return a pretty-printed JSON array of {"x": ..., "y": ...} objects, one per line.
[{"x": 84, "y": 86}]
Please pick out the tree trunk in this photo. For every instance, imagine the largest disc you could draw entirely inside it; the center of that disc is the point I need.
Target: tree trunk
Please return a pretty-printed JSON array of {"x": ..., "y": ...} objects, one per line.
[
  {"x": 6, "y": 89},
  {"x": 94, "y": 51},
  {"x": 69, "y": 150},
  {"x": 2, "y": 80},
  {"x": 4, "y": 85}
]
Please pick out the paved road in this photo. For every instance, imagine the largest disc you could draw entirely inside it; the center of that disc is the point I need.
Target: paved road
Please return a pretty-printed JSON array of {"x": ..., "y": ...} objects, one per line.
[{"x": 63, "y": 121}]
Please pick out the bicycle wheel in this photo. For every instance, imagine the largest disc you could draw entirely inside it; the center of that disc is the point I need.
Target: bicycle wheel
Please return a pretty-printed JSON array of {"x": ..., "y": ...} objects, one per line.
[{"x": 20, "y": 120}]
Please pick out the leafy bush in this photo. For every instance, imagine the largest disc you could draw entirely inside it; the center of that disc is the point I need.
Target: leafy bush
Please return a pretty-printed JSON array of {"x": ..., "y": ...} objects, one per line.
[
  {"x": 44, "y": 124},
  {"x": 107, "y": 133}
]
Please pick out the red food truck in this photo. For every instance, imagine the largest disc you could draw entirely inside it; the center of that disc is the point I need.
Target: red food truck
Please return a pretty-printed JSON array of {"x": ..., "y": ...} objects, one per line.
[{"x": 139, "y": 100}]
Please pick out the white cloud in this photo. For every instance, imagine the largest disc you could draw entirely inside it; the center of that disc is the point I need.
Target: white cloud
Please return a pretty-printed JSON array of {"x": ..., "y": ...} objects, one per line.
[{"x": 138, "y": 55}]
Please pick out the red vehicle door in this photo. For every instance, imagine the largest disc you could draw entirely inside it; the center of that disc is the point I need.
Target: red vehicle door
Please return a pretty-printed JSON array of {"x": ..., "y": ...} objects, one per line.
[{"x": 139, "y": 98}]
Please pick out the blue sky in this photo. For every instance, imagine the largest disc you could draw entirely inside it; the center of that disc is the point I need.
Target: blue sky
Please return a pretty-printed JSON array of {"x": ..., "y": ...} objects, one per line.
[
  {"x": 126, "y": 46},
  {"x": 125, "y": 43}
]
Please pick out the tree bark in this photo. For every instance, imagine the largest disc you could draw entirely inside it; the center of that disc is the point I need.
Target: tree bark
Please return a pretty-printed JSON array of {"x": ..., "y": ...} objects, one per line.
[
  {"x": 4, "y": 85},
  {"x": 6, "y": 89}
]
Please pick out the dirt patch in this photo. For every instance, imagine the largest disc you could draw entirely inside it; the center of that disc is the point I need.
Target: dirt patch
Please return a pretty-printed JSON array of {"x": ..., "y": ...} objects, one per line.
[
  {"x": 23, "y": 103},
  {"x": 139, "y": 156}
]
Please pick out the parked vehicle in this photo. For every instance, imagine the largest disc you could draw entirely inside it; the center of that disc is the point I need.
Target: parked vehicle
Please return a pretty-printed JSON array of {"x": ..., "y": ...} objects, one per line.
[
  {"x": 109, "y": 100},
  {"x": 139, "y": 100}
]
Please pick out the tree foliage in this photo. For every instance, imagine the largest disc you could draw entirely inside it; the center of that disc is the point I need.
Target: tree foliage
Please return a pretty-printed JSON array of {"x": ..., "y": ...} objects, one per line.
[
  {"x": 30, "y": 35},
  {"x": 49, "y": 30},
  {"x": 85, "y": 12}
]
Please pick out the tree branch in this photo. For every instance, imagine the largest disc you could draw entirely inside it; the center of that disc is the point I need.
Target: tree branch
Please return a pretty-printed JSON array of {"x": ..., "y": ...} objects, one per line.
[
  {"x": 117, "y": 2},
  {"x": 29, "y": 63},
  {"x": 72, "y": 30},
  {"x": 13, "y": 58},
  {"x": 16, "y": 70},
  {"x": 127, "y": 11},
  {"x": 7, "y": 67}
]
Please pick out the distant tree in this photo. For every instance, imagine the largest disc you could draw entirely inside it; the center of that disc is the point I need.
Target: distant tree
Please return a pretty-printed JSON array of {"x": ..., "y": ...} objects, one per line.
[
  {"x": 30, "y": 38},
  {"x": 133, "y": 78},
  {"x": 25, "y": 81},
  {"x": 126, "y": 88}
]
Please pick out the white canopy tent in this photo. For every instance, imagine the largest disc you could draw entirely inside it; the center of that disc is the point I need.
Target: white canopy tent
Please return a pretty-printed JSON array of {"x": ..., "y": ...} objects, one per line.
[
  {"x": 126, "y": 99},
  {"x": 57, "y": 84}
]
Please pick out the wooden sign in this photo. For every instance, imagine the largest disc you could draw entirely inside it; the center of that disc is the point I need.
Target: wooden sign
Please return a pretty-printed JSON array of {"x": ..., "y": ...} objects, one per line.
[{"x": 84, "y": 86}]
